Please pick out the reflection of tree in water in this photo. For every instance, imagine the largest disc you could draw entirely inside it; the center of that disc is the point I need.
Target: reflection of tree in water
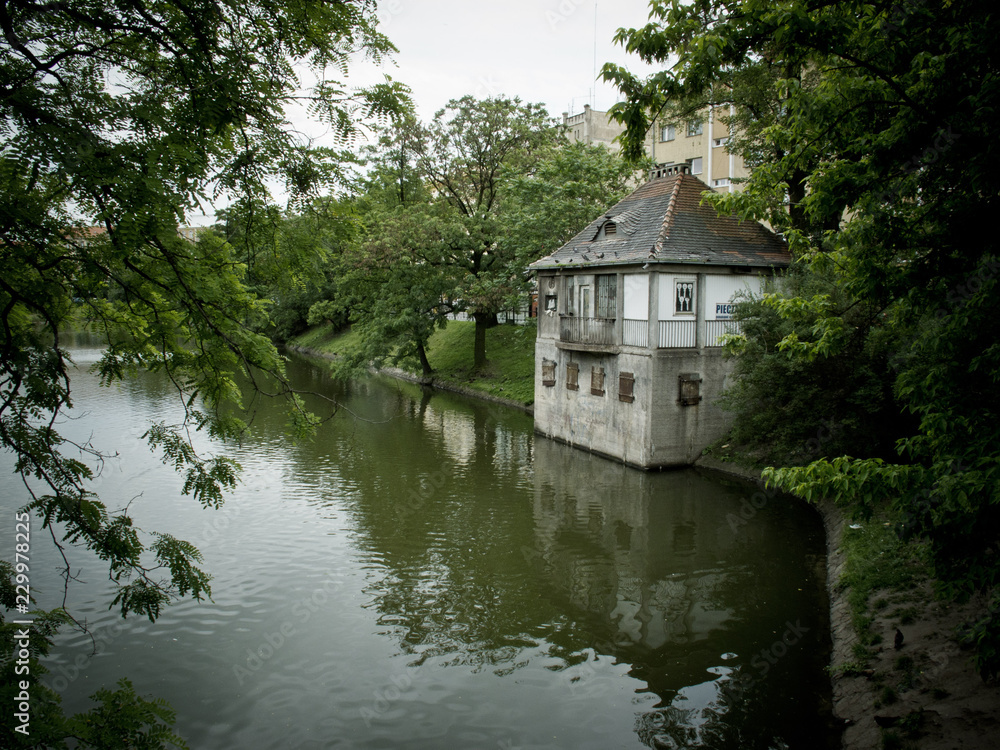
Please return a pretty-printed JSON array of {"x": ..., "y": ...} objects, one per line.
[{"x": 485, "y": 550}]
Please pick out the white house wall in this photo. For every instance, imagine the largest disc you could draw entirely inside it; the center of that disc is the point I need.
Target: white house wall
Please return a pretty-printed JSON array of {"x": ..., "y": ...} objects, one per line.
[
  {"x": 720, "y": 291},
  {"x": 636, "y": 289}
]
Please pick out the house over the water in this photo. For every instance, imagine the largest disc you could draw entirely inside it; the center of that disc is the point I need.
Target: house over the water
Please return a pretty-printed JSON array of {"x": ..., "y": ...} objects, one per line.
[{"x": 631, "y": 315}]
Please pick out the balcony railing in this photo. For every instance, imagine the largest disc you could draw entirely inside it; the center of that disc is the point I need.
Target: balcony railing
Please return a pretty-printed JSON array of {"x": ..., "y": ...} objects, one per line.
[
  {"x": 676, "y": 334},
  {"x": 635, "y": 332},
  {"x": 716, "y": 329},
  {"x": 598, "y": 331},
  {"x": 671, "y": 334}
]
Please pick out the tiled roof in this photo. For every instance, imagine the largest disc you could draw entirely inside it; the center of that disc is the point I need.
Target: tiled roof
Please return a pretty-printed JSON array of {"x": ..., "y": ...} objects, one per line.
[{"x": 664, "y": 221}]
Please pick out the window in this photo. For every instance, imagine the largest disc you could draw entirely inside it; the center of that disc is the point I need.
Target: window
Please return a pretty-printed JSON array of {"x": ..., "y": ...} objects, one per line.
[
  {"x": 667, "y": 133},
  {"x": 569, "y": 296},
  {"x": 696, "y": 165},
  {"x": 717, "y": 142},
  {"x": 610, "y": 229},
  {"x": 607, "y": 296},
  {"x": 596, "y": 381},
  {"x": 689, "y": 387},
  {"x": 626, "y": 386},
  {"x": 721, "y": 182},
  {"x": 548, "y": 373},
  {"x": 572, "y": 376},
  {"x": 694, "y": 127},
  {"x": 551, "y": 303},
  {"x": 684, "y": 297}
]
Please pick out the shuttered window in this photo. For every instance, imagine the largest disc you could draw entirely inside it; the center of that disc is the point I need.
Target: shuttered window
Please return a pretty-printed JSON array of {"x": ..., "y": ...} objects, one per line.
[
  {"x": 607, "y": 296},
  {"x": 548, "y": 373},
  {"x": 597, "y": 381},
  {"x": 572, "y": 377},
  {"x": 626, "y": 387}
]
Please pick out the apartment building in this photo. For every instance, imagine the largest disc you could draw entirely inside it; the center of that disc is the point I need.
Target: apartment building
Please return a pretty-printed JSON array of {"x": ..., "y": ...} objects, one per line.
[{"x": 700, "y": 141}]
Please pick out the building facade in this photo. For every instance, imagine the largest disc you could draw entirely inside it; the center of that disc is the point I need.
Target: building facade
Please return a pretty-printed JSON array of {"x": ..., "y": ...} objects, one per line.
[
  {"x": 632, "y": 314},
  {"x": 702, "y": 141}
]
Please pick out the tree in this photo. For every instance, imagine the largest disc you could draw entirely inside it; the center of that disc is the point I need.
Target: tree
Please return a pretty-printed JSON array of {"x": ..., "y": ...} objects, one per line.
[
  {"x": 889, "y": 159},
  {"x": 569, "y": 185},
  {"x": 288, "y": 255},
  {"x": 119, "y": 119},
  {"x": 465, "y": 153},
  {"x": 401, "y": 284}
]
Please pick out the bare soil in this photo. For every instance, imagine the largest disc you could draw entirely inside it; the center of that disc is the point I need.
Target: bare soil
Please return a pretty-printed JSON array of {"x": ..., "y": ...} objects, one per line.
[{"x": 924, "y": 694}]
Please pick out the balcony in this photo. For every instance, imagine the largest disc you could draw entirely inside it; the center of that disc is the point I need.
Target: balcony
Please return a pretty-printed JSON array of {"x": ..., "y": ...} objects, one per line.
[
  {"x": 588, "y": 334},
  {"x": 604, "y": 335},
  {"x": 677, "y": 334}
]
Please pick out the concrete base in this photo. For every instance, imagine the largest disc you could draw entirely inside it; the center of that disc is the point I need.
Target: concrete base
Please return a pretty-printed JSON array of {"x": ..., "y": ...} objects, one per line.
[{"x": 666, "y": 421}]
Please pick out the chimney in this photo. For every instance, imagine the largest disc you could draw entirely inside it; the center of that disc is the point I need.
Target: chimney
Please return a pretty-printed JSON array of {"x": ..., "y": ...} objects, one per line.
[{"x": 669, "y": 170}]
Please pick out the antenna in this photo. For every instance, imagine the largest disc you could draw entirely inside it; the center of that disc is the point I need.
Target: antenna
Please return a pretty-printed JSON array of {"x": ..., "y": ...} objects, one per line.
[{"x": 593, "y": 101}]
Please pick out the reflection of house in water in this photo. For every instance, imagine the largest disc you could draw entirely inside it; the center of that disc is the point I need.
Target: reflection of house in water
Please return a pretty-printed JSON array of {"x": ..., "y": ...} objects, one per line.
[
  {"x": 457, "y": 431},
  {"x": 592, "y": 528}
]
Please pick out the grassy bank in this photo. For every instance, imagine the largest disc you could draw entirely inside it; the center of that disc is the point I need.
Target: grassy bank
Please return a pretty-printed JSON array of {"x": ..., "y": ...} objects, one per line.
[{"x": 510, "y": 351}]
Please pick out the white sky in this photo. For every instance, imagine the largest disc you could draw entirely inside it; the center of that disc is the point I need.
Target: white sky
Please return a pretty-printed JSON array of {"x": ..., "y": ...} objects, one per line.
[
  {"x": 539, "y": 50},
  {"x": 542, "y": 51}
]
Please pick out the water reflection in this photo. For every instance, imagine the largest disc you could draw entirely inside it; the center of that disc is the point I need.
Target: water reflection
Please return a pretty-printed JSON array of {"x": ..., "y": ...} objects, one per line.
[{"x": 440, "y": 577}]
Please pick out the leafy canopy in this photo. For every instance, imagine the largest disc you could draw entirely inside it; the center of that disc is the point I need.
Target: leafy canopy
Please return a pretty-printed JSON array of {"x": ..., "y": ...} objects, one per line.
[
  {"x": 883, "y": 163},
  {"x": 118, "y": 120}
]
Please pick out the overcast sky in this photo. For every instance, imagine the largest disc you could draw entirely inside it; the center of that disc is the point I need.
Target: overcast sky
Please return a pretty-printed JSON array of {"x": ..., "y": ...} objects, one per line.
[
  {"x": 540, "y": 50},
  {"x": 543, "y": 51}
]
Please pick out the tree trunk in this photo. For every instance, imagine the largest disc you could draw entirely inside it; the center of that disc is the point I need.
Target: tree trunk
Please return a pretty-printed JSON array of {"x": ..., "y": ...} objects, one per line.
[
  {"x": 479, "y": 350},
  {"x": 425, "y": 365}
]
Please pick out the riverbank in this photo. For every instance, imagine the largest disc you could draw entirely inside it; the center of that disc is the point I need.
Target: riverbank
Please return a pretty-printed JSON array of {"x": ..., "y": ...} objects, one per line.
[
  {"x": 921, "y": 692},
  {"x": 508, "y": 378}
]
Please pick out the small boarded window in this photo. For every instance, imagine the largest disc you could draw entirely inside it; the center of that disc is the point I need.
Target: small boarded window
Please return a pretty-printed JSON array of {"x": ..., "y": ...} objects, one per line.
[
  {"x": 610, "y": 230},
  {"x": 597, "y": 381},
  {"x": 690, "y": 389},
  {"x": 626, "y": 387},
  {"x": 548, "y": 373},
  {"x": 572, "y": 377}
]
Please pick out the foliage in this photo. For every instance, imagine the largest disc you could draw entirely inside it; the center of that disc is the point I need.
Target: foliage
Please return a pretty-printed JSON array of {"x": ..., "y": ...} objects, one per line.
[
  {"x": 400, "y": 282},
  {"x": 118, "y": 120},
  {"x": 288, "y": 257},
  {"x": 121, "y": 720},
  {"x": 453, "y": 213},
  {"x": 570, "y": 185},
  {"x": 813, "y": 375},
  {"x": 885, "y": 161},
  {"x": 465, "y": 153}
]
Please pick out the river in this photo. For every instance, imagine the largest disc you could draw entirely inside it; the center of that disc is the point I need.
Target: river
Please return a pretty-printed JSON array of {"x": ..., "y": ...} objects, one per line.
[{"x": 427, "y": 573}]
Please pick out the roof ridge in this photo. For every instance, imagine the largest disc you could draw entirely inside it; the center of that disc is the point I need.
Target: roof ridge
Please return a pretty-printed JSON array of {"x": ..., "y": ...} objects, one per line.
[{"x": 669, "y": 216}]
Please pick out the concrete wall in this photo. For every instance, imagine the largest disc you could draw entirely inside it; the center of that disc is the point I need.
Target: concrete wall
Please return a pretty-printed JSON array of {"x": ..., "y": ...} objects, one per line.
[{"x": 655, "y": 429}]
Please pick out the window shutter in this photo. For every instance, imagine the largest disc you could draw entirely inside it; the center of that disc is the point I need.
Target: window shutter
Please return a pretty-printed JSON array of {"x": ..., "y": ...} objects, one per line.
[{"x": 626, "y": 386}]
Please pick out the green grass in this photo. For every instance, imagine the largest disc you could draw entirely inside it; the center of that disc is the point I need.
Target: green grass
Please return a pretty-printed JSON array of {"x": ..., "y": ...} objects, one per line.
[
  {"x": 877, "y": 562},
  {"x": 510, "y": 352},
  {"x": 325, "y": 340}
]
